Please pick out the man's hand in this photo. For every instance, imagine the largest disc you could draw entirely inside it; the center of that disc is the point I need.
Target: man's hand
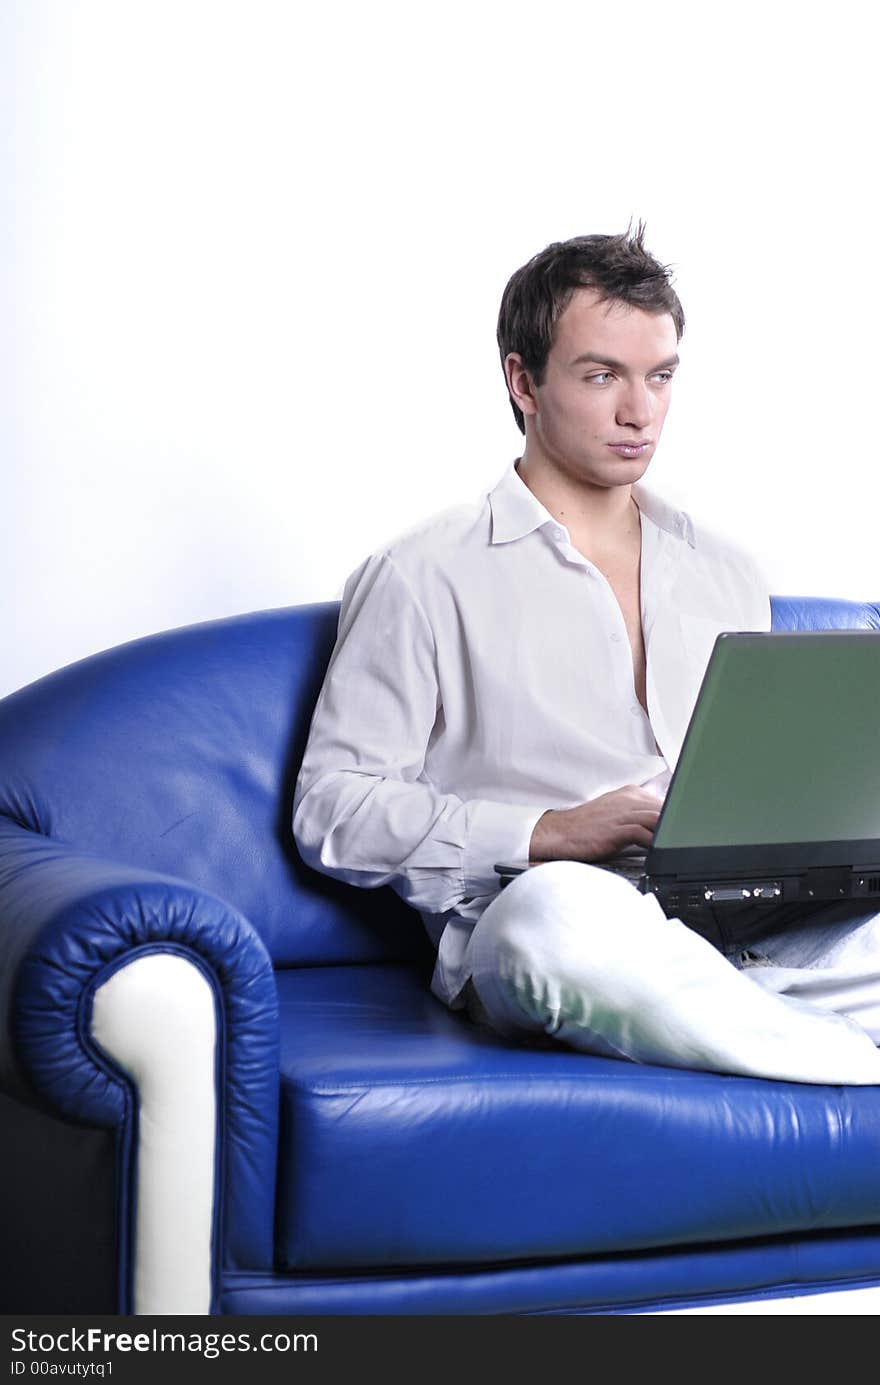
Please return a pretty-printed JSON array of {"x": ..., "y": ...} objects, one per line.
[{"x": 597, "y": 829}]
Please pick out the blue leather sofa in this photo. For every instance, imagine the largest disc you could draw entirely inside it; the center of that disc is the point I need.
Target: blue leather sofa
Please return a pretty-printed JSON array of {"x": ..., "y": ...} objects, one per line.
[{"x": 366, "y": 1151}]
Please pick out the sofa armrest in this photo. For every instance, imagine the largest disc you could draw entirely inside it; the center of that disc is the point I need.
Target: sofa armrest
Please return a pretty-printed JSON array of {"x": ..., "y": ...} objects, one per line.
[{"x": 74, "y": 926}]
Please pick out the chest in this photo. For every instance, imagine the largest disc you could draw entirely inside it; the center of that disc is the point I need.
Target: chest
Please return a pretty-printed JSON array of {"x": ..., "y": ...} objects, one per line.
[
  {"x": 622, "y": 571},
  {"x": 625, "y": 584}
]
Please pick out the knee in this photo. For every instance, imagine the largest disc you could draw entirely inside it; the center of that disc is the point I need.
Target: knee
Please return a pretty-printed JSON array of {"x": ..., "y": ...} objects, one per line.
[
  {"x": 563, "y": 905},
  {"x": 559, "y": 939},
  {"x": 573, "y": 892}
]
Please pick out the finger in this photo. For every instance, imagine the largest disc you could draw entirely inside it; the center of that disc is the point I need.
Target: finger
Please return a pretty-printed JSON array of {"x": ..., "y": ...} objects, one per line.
[
  {"x": 638, "y": 836},
  {"x": 640, "y": 805},
  {"x": 647, "y": 800},
  {"x": 647, "y": 818}
]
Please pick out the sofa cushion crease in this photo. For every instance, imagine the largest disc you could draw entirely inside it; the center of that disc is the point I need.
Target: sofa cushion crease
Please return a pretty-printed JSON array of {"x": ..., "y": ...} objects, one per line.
[{"x": 661, "y": 1279}]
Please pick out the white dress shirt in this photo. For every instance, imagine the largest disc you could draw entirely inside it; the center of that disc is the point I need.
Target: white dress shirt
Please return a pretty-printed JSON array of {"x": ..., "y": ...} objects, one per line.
[{"x": 483, "y": 674}]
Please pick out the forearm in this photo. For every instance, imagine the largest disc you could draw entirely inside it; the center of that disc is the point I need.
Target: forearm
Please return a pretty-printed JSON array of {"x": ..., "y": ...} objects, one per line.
[{"x": 434, "y": 849}]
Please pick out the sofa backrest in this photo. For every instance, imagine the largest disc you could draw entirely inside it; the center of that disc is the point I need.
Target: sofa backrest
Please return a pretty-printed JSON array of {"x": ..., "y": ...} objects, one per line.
[
  {"x": 823, "y": 613},
  {"x": 179, "y": 753}
]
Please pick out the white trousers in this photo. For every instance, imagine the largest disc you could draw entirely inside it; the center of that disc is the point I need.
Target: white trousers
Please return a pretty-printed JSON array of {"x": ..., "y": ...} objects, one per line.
[{"x": 576, "y": 953}]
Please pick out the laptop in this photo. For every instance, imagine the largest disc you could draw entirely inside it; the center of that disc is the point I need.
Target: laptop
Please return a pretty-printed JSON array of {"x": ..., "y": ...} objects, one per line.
[{"x": 776, "y": 794}]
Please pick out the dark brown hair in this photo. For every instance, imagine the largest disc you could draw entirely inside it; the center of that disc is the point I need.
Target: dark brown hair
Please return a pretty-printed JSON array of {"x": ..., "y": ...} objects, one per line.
[{"x": 617, "y": 267}]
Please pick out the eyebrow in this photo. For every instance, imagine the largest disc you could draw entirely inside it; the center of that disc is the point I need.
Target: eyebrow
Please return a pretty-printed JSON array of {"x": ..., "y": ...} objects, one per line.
[{"x": 619, "y": 365}]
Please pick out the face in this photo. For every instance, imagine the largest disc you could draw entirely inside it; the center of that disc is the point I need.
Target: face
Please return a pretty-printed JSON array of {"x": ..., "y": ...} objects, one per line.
[{"x": 598, "y": 414}]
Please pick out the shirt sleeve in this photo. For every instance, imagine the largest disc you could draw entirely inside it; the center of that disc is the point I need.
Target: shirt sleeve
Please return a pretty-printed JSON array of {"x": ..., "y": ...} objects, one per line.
[{"x": 364, "y": 809}]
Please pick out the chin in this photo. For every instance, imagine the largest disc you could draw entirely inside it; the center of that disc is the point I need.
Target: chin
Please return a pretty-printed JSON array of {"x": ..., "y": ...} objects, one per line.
[
  {"x": 628, "y": 472},
  {"x": 620, "y": 473}
]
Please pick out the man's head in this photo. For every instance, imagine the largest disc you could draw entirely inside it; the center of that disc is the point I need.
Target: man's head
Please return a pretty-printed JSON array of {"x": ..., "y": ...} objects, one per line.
[
  {"x": 618, "y": 269},
  {"x": 588, "y": 332}
]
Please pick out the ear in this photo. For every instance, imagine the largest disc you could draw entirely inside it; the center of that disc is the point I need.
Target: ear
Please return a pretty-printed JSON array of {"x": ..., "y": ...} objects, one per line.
[{"x": 520, "y": 384}]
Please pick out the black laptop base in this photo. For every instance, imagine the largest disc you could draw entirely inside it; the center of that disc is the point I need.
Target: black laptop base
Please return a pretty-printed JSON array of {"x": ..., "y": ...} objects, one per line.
[{"x": 815, "y": 885}]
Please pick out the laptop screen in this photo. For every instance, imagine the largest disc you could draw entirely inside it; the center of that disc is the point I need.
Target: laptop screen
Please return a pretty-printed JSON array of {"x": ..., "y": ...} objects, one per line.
[{"x": 783, "y": 744}]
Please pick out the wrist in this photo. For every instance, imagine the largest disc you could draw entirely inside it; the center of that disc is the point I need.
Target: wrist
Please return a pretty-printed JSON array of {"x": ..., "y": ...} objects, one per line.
[{"x": 545, "y": 843}]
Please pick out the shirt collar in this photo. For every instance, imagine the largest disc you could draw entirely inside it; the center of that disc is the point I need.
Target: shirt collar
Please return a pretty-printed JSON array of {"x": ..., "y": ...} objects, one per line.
[
  {"x": 517, "y": 512},
  {"x": 665, "y": 516}
]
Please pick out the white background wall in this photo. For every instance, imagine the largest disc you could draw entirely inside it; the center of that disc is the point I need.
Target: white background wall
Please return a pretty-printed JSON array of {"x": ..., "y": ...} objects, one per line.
[{"x": 251, "y": 259}]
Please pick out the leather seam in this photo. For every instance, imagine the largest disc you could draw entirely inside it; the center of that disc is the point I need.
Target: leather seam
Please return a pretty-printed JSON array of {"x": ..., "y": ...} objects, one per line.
[{"x": 473, "y": 1078}]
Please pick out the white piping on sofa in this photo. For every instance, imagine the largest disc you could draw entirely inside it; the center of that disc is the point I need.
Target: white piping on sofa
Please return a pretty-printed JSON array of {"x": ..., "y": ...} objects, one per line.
[{"x": 155, "y": 1017}]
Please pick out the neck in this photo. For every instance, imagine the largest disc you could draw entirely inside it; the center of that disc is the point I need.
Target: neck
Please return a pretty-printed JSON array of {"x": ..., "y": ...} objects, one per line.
[{"x": 604, "y": 515}]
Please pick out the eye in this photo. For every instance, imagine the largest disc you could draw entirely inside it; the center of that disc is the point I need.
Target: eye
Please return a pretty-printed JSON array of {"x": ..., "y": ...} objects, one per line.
[
  {"x": 663, "y": 376},
  {"x": 599, "y": 377}
]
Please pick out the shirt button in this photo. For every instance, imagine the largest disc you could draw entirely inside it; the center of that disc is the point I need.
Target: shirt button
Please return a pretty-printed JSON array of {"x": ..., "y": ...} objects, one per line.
[
  {"x": 559, "y": 533},
  {"x": 635, "y": 711},
  {"x": 616, "y": 638}
]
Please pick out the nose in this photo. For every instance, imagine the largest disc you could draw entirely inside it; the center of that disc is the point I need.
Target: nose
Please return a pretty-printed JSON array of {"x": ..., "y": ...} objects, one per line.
[{"x": 634, "y": 405}]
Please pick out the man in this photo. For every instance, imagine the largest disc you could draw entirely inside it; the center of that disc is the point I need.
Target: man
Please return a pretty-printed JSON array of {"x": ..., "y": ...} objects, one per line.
[{"x": 514, "y": 679}]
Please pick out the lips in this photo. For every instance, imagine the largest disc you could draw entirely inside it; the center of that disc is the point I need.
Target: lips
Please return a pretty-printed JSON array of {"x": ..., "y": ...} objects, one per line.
[{"x": 629, "y": 449}]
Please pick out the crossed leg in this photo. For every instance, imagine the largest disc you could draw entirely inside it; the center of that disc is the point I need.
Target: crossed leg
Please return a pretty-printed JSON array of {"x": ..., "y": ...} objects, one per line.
[{"x": 574, "y": 952}]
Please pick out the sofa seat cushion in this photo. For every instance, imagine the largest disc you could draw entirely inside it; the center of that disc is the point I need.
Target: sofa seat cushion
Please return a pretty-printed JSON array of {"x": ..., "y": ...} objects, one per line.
[{"x": 411, "y": 1137}]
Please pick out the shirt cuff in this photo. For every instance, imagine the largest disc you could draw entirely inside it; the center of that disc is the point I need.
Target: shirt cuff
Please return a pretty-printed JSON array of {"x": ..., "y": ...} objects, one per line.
[{"x": 496, "y": 832}]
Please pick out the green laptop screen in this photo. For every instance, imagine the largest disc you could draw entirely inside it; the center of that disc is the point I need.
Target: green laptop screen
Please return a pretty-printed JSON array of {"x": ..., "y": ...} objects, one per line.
[{"x": 783, "y": 745}]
